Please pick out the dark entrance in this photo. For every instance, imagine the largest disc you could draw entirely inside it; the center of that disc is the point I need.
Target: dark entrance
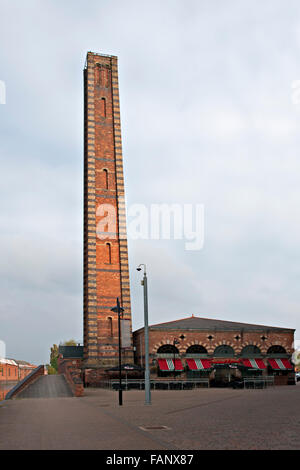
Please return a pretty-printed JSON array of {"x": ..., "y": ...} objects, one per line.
[
  {"x": 225, "y": 367},
  {"x": 225, "y": 375}
]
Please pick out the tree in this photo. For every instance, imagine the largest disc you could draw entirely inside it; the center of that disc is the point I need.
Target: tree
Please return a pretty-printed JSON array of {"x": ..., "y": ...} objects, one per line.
[
  {"x": 54, "y": 353},
  {"x": 53, "y": 357},
  {"x": 51, "y": 370},
  {"x": 70, "y": 342}
]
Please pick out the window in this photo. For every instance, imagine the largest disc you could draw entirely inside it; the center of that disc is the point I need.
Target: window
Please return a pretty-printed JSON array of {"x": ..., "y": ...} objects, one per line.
[
  {"x": 108, "y": 252},
  {"x": 196, "y": 349},
  {"x": 167, "y": 349},
  {"x": 98, "y": 74},
  {"x": 103, "y": 107},
  {"x": 110, "y": 326},
  {"x": 104, "y": 77},
  {"x": 276, "y": 350},
  {"x": 223, "y": 351},
  {"x": 105, "y": 178},
  {"x": 251, "y": 351}
]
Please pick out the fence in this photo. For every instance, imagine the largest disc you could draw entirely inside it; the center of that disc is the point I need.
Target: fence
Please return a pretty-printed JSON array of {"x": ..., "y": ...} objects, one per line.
[
  {"x": 156, "y": 384},
  {"x": 258, "y": 382},
  {"x": 29, "y": 379}
]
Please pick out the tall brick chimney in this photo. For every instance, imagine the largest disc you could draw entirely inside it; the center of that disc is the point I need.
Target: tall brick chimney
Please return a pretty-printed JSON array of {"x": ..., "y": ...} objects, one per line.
[{"x": 106, "y": 274}]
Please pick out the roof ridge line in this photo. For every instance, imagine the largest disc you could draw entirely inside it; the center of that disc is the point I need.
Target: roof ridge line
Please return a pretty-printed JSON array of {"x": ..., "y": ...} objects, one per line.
[
  {"x": 171, "y": 321},
  {"x": 222, "y": 321}
]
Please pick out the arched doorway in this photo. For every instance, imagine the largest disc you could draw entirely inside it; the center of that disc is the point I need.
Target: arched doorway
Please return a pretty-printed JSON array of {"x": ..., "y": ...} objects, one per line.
[
  {"x": 276, "y": 350},
  {"x": 224, "y": 370},
  {"x": 198, "y": 366},
  {"x": 224, "y": 351},
  {"x": 167, "y": 349},
  {"x": 251, "y": 351},
  {"x": 196, "y": 349},
  {"x": 278, "y": 364},
  {"x": 251, "y": 367},
  {"x": 168, "y": 361}
]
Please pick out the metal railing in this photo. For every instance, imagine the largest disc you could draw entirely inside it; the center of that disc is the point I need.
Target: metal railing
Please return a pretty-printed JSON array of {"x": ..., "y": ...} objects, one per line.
[
  {"x": 258, "y": 382},
  {"x": 29, "y": 379},
  {"x": 156, "y": 384}
]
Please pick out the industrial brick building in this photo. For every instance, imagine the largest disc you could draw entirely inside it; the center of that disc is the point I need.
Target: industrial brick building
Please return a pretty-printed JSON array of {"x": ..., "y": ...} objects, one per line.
[
  {"x": 106, "y": 274},
  {"x": 218, "y": 350},
  {"x": 11, "y": 372},
  {"x": 191, "y": 347}
]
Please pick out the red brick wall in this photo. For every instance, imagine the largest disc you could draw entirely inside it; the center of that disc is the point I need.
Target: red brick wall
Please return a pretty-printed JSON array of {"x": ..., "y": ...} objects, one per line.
[
  {"x": 104, "y": 281},
  {"x": 9, "y": 373},
  {"x": 36, "y": 372},
  {"x": 75, "y": 363},
  {"x": 70, "y": 368},
  {"x": 159, "y": 337},
  {"x": 25, "y": 370},
  {"x": 14, "y": 373}
]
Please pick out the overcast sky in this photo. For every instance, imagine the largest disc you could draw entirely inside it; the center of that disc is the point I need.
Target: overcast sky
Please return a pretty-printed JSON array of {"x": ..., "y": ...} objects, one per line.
[{"x": 208, "y": 117}]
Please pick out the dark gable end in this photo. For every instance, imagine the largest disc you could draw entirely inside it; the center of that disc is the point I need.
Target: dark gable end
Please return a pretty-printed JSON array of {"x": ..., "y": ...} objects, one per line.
[{"x": 71, "y": 352}]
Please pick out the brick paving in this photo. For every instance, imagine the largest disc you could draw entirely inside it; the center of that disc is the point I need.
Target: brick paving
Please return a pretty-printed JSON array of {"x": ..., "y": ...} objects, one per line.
[{"x": 198, "y": 419}]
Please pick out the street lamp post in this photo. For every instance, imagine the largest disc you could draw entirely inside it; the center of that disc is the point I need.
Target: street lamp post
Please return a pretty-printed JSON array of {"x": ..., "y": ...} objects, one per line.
[
  {"x": 119, "y": 310},
  {"x": 146, "y": 332},
  {"x": 174, "y": 344}
]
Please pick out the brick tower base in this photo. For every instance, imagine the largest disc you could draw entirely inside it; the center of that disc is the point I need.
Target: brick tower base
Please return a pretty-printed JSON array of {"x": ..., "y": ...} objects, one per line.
[{"x": 95, "y": 372}]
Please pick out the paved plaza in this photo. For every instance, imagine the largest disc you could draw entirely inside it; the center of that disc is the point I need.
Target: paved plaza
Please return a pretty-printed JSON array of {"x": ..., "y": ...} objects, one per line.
[{"x": 194, "y": 419}]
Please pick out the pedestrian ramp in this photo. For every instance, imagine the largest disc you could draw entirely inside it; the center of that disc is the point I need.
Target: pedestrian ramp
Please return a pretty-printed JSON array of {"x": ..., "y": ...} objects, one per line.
[{"x": 47, "y": 386}]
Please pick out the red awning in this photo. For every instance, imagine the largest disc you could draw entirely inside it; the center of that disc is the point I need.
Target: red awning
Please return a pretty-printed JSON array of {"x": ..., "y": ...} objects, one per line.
[
  {"x": 280, "y": 364},
  {"x": 254, "y": 364},
  {"x": 198, "y": 364},
  {"x": 168, "y": 365}
]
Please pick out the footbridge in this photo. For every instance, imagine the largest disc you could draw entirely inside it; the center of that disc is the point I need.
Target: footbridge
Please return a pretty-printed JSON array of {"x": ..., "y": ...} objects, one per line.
[{"x": 38, "y": 385}]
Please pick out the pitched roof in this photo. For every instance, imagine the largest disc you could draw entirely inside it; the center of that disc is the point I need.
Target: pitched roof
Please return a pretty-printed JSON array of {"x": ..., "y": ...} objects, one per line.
[
  {"x": 11, "y": 362},
  {"x": 23, "y": 363},
  {"x": 15, "y": 362},
  {"x": 198, "y": 323}
]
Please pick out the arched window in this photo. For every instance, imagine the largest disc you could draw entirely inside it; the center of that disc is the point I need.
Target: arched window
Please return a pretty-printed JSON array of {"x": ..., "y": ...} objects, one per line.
[
  {"x": 276, "y": 349},
  {"x": 108, "y": 251},
  {"x": 98, "y": 74},
  {"x": 103, "y": 107},
  {"x": 104, "y": 77},
  {"x": 110, "y": 326},
  {"x": 167, "y": 349},
  {"x": 251, "y": 351},
  {"x": 105, "y": 178},
  {"x": 196, "y": 349},
  {"x": 224, "y": 351}
]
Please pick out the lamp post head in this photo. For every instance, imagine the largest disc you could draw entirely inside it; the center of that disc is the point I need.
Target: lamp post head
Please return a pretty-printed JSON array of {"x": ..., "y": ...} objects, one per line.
[
  {"x": 139, "y": 268},
  {"x": 117, "y": 309}
]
